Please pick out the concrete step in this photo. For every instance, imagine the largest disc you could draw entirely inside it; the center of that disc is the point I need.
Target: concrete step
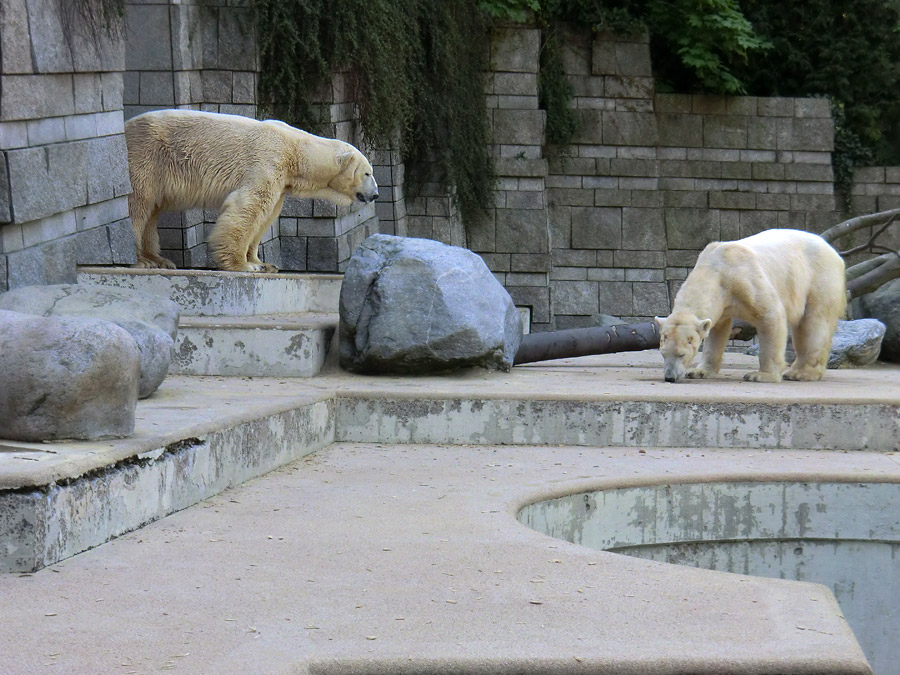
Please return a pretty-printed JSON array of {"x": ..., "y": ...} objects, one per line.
[
  {"x": 215, "y": 293},
  {"x": 265, "y": 345},
  {"x": 199, "y": 435},
  {"x": 240, "y": 324}
]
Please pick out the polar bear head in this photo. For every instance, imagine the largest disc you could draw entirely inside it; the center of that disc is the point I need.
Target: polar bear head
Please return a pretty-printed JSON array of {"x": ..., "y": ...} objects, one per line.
[
  {"x": 680, "y": 335},
  {"x": 354, "y": 179}
]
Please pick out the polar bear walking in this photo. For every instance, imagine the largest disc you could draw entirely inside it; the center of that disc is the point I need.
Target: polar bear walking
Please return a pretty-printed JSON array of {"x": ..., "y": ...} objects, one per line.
[
  {"x": 774, "y": 279},
  {"x": 182, "y": 159}
]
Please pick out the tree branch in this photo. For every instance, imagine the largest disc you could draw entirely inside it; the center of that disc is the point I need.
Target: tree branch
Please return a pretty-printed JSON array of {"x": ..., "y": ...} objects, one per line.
[
  {"x": 875, "y": 275},
  {"x": 875, "y": 235},
  {"x": 853, "y": 224}
]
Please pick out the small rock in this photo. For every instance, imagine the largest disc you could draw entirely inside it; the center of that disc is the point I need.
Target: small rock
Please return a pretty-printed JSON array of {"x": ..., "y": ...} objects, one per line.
[
  {"x": 66, "y": 377},
  {"x": 417, "y": 306},
  {"x": 150, "y": 319}
]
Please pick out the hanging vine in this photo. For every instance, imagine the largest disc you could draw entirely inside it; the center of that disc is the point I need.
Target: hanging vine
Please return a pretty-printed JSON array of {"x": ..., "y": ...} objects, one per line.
[{"x": 417, "y": 68}]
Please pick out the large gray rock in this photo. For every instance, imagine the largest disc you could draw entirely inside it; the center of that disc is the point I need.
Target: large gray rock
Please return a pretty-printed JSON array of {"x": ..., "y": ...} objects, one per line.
[
  {"x": 151, "y": 320},
  {"x": 855, "y": 344},
  {"x": 417, "y": 306},
  {"x": 67, "y": 377},
  {"x": 884, "y": 305}
]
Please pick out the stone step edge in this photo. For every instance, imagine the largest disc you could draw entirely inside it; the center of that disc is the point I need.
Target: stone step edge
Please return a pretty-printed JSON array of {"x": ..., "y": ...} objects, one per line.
[
  {"x": 272, "y": 321},
  {"x": 46, "y": 524},
  {"x": 216, "y": 293}
]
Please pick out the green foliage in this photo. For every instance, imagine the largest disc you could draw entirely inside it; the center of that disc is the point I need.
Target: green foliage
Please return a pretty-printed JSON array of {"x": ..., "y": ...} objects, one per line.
[
  {"x": 508, "y": 10},
  {"x": 555, "y": 92},
  {"x": 710, "y": 37},
  {"x": 847, "y": 51},
  {"x": 418, "y": 69},
  {"x": 849, "y": 152}
]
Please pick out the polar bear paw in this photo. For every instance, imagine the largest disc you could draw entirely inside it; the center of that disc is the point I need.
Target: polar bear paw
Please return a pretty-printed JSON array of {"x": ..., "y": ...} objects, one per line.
[
  {"x": 155, "y": 263},
  {"x": 260, "y": 267},
  {"x": 698, "y": 374},
  {"x": 803, "y": 375},
  {"x": 762, "y": 376}
]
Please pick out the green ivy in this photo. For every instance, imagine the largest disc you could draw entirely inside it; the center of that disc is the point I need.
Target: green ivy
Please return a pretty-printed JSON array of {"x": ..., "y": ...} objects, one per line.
[
  {"x": 418, "y": 69},
  {"x": 554, "y": 91}
]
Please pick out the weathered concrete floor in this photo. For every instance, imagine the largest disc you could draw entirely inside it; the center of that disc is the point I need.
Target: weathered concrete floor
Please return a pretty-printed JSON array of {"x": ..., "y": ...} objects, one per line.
[
  {"x": 408, "y": 559},
  {"x": 399, "y": 559}
]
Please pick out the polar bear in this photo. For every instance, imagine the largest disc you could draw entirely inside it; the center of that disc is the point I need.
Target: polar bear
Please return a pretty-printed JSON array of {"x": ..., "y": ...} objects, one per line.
[
  {"x": 774, "y": 279},
  {"x": 181, "y": 159}
]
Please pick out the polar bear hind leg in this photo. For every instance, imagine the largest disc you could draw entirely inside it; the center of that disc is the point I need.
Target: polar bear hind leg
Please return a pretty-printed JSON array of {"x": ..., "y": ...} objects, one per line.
[
  {"x": 143, "y": 219},
  {"x": 812, "y": 341}
]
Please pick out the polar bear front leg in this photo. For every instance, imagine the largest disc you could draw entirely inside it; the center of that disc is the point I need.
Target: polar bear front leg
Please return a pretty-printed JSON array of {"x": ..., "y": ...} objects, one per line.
[
  {"x": 253, "y": 250},
  {"x": 713, "y": 349},
  {"x": 772, "y": 332},
  {"x": 241, "y": 223}
]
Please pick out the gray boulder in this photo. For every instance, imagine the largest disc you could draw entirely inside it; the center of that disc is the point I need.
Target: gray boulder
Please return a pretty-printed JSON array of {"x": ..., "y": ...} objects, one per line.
[
  {"x": 855, "y": 344},
  {"x": 69, "y": 377},
  {"x": 416, "y": 306},
  {"x": 150, "y": 319},
  {"x": 884, "y": 305}
]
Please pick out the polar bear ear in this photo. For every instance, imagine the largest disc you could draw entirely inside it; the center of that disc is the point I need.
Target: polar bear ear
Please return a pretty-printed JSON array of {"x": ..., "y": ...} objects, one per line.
[
  {"x": 660, "y": 320},
  {"x": 342, "y": 159},
  {"x": 703, "y": 327}
]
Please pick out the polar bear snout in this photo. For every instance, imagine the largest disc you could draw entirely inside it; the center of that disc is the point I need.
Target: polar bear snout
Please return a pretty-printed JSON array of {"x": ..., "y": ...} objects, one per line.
[{"x": 368, "y": 191}]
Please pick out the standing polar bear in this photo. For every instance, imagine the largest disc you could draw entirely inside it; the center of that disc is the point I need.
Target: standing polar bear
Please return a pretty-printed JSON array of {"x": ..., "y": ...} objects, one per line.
[
  {"x": 182, "y": 159},
  {"x": 774, "y": 279}
]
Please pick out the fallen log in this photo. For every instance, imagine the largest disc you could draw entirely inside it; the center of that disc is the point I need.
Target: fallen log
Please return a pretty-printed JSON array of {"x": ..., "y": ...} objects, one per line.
[{"x": 573, "y": 342}]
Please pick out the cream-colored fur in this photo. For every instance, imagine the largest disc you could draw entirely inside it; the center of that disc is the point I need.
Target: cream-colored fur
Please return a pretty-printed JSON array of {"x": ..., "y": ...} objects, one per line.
[
  {"x": 774, "y": 279},
  {"x": 182, "y": 159}
]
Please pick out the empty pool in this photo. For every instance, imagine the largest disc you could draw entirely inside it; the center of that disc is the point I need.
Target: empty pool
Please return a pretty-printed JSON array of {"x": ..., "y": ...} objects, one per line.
[{"x": 843, "y": 535}]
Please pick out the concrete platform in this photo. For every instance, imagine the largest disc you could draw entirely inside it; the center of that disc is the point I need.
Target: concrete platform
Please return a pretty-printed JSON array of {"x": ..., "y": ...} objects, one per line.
[{"x": 373, "y": 557}]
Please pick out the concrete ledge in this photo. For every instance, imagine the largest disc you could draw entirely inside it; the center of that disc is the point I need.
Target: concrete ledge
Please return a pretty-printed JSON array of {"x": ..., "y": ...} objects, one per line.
[
  {"x": 216, "y": 293},
  {"x": 626, "y": 423},
  {"x": 41, "y": 525}
]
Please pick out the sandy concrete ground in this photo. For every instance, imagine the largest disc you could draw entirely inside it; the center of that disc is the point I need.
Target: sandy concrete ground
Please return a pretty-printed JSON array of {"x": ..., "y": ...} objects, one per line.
[
  {"x": 376, "y": 558},
  {"x": 395, "y": 559}
]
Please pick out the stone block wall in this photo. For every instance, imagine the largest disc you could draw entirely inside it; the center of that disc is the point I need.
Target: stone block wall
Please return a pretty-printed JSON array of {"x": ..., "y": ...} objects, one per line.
[
  {"x": 63, "y": 170},
  {"x": 877, "y": 188},
  {"x": 513, "y": 236},
  {"x": 607, "y": 212},
  {"x": 650, "y": 179}
]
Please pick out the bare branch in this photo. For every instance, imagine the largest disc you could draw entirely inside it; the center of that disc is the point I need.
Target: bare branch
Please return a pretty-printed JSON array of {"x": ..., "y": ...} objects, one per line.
[
  {"x": 865, "y": 266},
  {"x": 875, "y": 235},
  {"x": 874, "y": 278},
  {"x": 853, "y": 224}
]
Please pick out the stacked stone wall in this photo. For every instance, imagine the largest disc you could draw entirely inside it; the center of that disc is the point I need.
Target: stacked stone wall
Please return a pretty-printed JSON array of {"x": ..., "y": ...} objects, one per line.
[
  {"x": 63, "y": 171},
  {"x": 609, "y": 224},
  {"x": 513, "y": 234}
]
